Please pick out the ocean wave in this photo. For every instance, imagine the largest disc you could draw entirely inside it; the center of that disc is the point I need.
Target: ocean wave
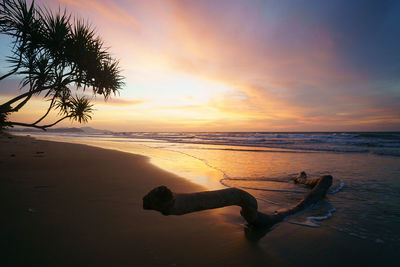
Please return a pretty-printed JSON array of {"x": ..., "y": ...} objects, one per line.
[
  {"x": 336, "y": 189},
  {"x": 378, "y": 143},
  {"x": 312, "y": 221}
]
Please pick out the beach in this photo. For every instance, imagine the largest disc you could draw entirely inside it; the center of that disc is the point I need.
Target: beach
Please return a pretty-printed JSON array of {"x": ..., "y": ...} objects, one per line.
[
  {"x": 67, "y": 204},
  {"x": 199, "y": 133}
]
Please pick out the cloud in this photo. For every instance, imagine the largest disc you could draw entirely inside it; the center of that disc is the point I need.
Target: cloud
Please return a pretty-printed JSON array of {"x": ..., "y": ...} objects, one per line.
[
  {"x": 113, "y": 101},
  {"x": 296, "y": 61},
  {"x": 108, "y": 9}
]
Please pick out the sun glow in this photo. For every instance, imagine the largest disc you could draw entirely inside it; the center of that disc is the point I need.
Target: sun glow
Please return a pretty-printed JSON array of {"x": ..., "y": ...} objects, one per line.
[{"x": 190, "y": 66}]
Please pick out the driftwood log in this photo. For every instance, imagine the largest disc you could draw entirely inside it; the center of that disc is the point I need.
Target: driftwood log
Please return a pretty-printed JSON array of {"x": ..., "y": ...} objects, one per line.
[
  {"x": 165, "y": 201},
  {"x": 302, "y": 179}
]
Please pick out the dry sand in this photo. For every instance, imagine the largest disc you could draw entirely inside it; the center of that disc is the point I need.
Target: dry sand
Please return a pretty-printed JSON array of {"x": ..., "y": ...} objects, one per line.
[{"x": 74, "y": 205}]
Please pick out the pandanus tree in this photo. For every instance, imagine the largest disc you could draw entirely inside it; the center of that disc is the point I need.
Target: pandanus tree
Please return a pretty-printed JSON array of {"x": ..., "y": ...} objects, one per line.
[{"x": 54, "y": 54}]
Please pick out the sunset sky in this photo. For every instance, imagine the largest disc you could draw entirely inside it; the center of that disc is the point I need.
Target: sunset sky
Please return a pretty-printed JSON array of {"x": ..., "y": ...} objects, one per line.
[{"x": 245, "y": 65}]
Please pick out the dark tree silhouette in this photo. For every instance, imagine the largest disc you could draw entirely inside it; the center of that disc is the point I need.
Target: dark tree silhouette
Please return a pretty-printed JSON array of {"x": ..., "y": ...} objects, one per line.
[{"x": 53, "y": 53}]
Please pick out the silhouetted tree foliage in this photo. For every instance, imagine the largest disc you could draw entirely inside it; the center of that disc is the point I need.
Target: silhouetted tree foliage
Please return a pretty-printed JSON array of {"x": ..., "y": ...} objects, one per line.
[{"x": 53, "y": 53}]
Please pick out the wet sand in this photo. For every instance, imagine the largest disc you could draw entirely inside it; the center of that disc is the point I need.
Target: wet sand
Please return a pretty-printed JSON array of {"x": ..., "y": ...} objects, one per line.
[{"x": 66, "y": 204}]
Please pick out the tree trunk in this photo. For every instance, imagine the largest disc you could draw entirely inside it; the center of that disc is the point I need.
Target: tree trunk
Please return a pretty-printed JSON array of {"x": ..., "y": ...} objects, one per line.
[{"x": 168, "y": 203}]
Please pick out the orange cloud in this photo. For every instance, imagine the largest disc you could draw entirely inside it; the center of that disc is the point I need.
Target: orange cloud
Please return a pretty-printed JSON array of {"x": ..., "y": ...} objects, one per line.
[
  {"x": 114, "y": 101},
  {"x": 109, "y": 9}
]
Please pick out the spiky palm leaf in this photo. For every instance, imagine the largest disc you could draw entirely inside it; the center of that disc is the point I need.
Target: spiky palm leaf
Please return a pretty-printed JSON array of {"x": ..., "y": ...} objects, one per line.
[
  {"x": 81, "y": 109},
  {"x": 54, "y": 52}
]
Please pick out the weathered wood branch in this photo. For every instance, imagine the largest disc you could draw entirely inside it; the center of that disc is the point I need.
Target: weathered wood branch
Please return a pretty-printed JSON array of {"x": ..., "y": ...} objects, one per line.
[
  {"x": 302, "y": 179},
  {"x": 168, "y": 203}
]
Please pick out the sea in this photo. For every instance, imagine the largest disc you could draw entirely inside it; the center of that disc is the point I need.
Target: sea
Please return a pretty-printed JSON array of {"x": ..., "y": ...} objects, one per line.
[{"x": 364, "y": 200}]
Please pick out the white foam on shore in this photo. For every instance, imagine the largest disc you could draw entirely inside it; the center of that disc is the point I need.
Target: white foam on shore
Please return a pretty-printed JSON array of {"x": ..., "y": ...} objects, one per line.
[
  {"x": 337, "y": 189},
  {"x": 312, "y": 221}
]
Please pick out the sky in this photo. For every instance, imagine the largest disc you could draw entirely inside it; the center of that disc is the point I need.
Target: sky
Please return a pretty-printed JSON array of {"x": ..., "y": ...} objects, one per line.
[{"x": 242, "y": 65}]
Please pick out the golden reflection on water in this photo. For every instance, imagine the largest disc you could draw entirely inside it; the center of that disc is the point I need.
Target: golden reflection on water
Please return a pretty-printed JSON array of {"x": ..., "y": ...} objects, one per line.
[
  {"x": 188, "y": 160},
  {"x": 180, "y": 164},
  {"x": 208, "y": 164}
]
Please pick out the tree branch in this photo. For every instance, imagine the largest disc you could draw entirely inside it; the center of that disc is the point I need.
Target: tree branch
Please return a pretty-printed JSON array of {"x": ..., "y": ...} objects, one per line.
[
  {"x": 12, "y": 123},
  {"x": 7, "y": 106},
  {"x": 49, "y": 125},
  {"x": 15, "y": 99},
  {"x": 10, "y": 73},
  {"x": 20, "y": 105},
  {"x": 48, "y": 111},
  {"x": 42, "y": 127}
]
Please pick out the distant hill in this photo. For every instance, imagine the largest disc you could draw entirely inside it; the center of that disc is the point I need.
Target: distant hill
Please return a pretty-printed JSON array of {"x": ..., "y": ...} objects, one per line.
[{"x": 66, "y": 130}]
